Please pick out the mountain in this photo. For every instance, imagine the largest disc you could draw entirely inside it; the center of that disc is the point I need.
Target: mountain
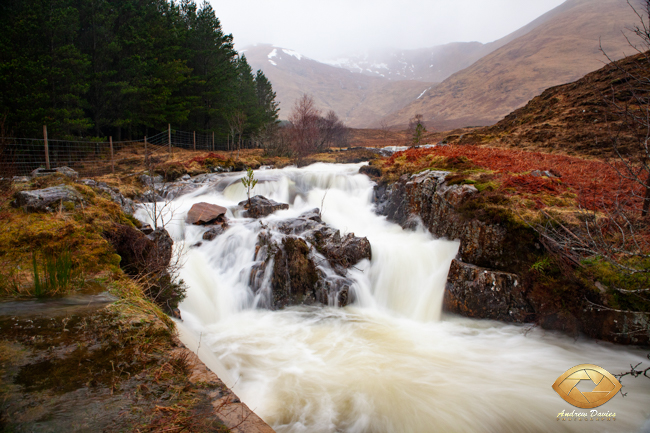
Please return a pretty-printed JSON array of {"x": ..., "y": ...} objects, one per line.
[
  {"x": 359, "y": 100},
  {"x": 559, "y": 47},
  {"x": 574, "y": 118},
  {"x": 433, "y": 64},
  {"x": 426, "y": 64}
]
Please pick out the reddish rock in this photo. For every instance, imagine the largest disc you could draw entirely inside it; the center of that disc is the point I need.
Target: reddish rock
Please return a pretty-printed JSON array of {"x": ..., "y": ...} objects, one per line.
[{"x": 206, "y": 214}]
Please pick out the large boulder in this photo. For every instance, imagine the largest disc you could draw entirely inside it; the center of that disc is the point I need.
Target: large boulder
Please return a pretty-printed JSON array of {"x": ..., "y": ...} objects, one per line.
[
  {"x": 303, "y": 261},
  {"x": 341, "y": 252},
  {"x": 48, "y": 199},
  {"x": 206, "y": 214},
  {"x": 260, "y": 206}
]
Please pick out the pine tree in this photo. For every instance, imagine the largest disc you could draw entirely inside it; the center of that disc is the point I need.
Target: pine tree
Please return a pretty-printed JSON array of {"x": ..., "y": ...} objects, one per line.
[{"x": 123, "y": 67}]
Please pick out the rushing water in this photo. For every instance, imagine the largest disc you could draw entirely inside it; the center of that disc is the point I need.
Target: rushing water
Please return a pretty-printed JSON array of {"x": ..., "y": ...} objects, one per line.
[{"x": 390, "y": 362}]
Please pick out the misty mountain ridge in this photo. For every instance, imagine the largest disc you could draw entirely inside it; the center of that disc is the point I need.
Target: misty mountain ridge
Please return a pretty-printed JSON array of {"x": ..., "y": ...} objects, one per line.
[
  {"x": 457, "y": 84},
  {"x": 359, "y": 100},
  {"x": 559, "y": 47}
]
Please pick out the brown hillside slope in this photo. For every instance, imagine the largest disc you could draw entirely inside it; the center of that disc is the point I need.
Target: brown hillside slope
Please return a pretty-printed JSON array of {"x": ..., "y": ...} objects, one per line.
[
  {"x": 359, "y": 100},
  {"x": 560, "y": 50},
  {"x": 437, "y": 63},
  {"x": 575, "y": 118}
]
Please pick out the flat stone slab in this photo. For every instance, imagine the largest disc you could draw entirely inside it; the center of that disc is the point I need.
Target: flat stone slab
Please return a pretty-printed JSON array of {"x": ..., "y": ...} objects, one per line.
[
  {"x": 206, "y": 213},
  {"x": 66, "y": 171},
  {"x": 47, "y": 199}
]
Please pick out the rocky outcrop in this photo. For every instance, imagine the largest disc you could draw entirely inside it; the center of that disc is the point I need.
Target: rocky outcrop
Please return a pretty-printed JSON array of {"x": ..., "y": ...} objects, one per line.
[
  {"x": 491, "y": 277},
  {"x": 206, "y": 214},
  {"x": 48, "y": 199},
  {"x": 341, "y": 252},
  {"x": 477, "y": 292},
  {"x": 127, "y": 205},
  {"x": 260, "y": 206},
  {"x": 303, "y": 261},
  {"x": 212, "y": 233},
  {"x": 426, "y": 199}
]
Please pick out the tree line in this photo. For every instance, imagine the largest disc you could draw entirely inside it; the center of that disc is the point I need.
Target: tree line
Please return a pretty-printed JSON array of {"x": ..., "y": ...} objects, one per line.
[{"x": 124, "y": 68}]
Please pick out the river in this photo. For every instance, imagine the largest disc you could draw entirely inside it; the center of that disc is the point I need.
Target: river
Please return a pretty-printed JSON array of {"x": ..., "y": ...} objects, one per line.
[{"x": 391, "y": 362}]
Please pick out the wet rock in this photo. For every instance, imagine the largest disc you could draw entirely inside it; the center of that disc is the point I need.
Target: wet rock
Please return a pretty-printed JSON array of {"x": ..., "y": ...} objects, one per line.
[
  {"x": 206, "y": 214},
  {"x": 341, "y": 252},
  {"x": 305, "y": 263},
  {"x": 66, "y": 171},
  {"x": 127, "y": 205},
  {"x": 172, "y": 191},
  {"x": 213, "y": 233},
  {"x": 481, "y": 293},
  {"x": 370, "y": 171},
  {"x": 295, "y": 277},
  {"x": 260, "y": 206},
  {"x": 425, "y": 199},
  {"x": 48, "y": 199},
  {"x": 150, "y": 180},
  {"x": 455, "y": 195}
]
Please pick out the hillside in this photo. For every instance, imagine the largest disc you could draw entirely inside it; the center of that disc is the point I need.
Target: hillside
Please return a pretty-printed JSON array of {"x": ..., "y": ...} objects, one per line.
[
  {"x": 358, "y": 99},
  {"x": 572, "y": 118},
  {"x": 431, "y": 64},
  {"x": 562, "y": 46}
]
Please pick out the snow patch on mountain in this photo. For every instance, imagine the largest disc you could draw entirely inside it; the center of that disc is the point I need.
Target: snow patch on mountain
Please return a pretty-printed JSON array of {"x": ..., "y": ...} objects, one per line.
[
  {"x": 295, "y": 54},
  {"x": 422, "y": 94},
  {"x": 273, "y": 53}
]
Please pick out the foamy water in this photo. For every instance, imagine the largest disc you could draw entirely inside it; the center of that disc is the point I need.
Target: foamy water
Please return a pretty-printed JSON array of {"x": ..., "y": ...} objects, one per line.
[{"x": 390, "y": 362}]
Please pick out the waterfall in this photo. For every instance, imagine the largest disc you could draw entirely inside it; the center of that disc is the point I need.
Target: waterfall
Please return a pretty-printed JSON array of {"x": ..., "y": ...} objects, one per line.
[{"x": 390, "y": 362}]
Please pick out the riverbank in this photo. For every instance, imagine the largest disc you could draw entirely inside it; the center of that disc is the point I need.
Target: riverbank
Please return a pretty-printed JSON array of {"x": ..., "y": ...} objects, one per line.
[{"x": 83, "y": 345}]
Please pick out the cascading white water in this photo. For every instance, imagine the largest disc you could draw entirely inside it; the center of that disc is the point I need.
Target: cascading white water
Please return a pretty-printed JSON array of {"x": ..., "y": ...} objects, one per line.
[{"x": 387, "y": 363}]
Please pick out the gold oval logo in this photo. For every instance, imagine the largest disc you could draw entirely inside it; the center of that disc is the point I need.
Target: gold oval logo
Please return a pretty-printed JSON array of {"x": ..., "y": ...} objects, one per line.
[{"x": 605, "y": 386}]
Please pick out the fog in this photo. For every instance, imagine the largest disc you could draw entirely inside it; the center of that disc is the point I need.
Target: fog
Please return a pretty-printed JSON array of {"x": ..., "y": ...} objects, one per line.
[{"x": 324, "y": 30}]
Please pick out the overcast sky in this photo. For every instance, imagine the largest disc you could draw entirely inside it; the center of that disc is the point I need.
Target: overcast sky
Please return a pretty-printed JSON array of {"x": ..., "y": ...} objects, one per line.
[{"x": 325, "y": 29}]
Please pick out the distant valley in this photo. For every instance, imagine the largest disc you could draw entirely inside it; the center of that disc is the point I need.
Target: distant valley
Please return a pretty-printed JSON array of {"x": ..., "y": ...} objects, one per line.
[
  {"x": 358, "y": 99},
  {"x": 458, "y": 84}
]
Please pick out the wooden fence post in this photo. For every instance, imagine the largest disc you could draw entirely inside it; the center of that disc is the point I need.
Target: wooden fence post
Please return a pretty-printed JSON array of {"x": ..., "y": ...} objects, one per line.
[
  {"x": 213, "y": 141},
  {"x": 47, "y": 148},
  {"x": 145, "y": 150},
  {"x": 110, "y": 140},
  {"x": 194, "y": 140},
  {"x": 169, "y": 137}
]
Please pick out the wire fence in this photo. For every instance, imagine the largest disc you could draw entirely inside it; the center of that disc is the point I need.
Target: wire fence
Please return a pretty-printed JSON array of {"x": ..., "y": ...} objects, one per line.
[{"x": 21, "y": 156}]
